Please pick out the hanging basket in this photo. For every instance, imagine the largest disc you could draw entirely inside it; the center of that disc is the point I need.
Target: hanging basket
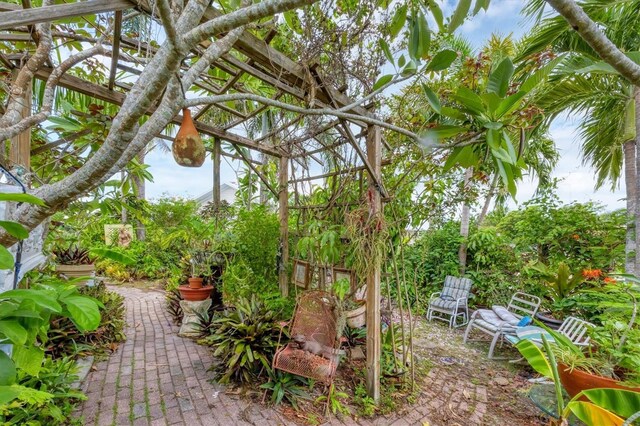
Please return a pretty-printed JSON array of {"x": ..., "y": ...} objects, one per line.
[{"x": 188, "y": 149}]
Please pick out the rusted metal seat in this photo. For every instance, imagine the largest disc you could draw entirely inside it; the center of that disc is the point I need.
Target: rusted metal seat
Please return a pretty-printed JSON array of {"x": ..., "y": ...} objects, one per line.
[{"x": 315, "y": 319}]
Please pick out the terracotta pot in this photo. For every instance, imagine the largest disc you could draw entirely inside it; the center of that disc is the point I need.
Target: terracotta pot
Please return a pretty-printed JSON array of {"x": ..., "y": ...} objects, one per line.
[
  {"x": 76, "y": 271},
  {"x": 576, "y": 381},
  {"x": 188, "y": 149},
  {"x": 195, "y": 282},
  {"x": 357, "y": 318},
  {"x": 195, "y": 294}
]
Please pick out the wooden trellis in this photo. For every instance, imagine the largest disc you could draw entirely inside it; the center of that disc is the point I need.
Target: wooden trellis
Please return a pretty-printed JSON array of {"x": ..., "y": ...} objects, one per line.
[{"x": 250, "y": 56}]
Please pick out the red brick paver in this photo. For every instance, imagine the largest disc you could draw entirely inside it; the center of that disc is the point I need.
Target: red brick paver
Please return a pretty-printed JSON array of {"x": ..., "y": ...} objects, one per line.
[{"x": 159, "y": 378}]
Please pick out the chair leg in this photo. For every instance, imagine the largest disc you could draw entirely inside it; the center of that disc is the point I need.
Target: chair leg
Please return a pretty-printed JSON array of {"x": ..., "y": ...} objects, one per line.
[
  {"x": 466, "y": 332},
  {"x": 493, "y": 344}
]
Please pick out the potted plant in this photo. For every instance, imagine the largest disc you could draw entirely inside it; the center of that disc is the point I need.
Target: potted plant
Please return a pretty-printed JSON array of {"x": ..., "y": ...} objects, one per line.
[
  {"x": 74, "y": 262},
  {"x": 614, "y": 360},
  {"x": 594, "y": 407}
]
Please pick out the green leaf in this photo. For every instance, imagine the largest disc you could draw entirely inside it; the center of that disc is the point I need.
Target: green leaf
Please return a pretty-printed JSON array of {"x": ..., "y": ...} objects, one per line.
[
  {"x": 593, "y": 415},
  {"x": 509, "y": 104},
  {"x": 420, "y": 38},
  {"x": 39, "y": 297},
  {"x": 6, "y": 258},
  {"x": 410, "y": 68},
  {"x": 437, "y": 14},
  {"x": 445, "y": 131},
  {"x": 7, "y": 370},
  {"x": 501, "y": 154},
  {"x": 480, "y": 4},
  {"x": 469, "y": 100},
  {"x": 398, "y": 20},
  {"x": 499, "y": 78},
  {"x": 387, "y": 51},
  {"x": 624, "y": 403},
  {"x": 453, "y": 113},
  {"x": 459, "y": 15},
  {"x": 535, "y": 357},
  {"x": 12, "y": 330},
  {"x": 442, "y": 60},
  {"x": 510, "y": 148},
  {"x": 491, "y": 101},
  {"x": 21, "y": 198},
  {"x": 432, "y": 98},
  {"x": 28, "y": 358},
  {"x": 382, "y": 81},
  {"x": 114, "y": 255},
  {"x": 293, "y": 21},
  {"x": 15, "y": 229},
  {"x": 8, "y": 393},
  {"x": 84, "y": 312},
  {"x": 464, "y": 157}
]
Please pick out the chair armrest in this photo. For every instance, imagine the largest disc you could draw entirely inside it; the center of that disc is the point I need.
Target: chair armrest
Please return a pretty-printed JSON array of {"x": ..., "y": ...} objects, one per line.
[{"x": 434, "y": 295}]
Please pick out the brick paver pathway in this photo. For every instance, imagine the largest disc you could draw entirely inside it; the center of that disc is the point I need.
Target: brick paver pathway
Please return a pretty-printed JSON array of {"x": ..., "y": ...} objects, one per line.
[{"x": 159, "y": 378}]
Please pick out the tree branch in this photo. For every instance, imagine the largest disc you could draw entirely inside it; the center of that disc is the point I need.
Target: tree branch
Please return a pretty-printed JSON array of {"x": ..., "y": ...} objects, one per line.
[
  {"x": 164, "y": 10},
  {"x": 301, "y": 110},
  {"x": 47, "y": 103},
  {"x": 593, "y": 35}
]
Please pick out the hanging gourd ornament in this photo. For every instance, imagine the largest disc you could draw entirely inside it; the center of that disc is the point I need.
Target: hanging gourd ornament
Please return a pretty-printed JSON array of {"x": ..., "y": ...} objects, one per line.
[{"x": 188, "y": 149}]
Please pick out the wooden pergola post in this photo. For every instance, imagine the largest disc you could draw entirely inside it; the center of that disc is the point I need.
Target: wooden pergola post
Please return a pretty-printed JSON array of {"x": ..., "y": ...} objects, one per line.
[
  {"x": 283, "y": 212},
  {"x": 215, "y": 156},
  {"x": 374, "y": 155},
  {"x": 20, "y": 150}
]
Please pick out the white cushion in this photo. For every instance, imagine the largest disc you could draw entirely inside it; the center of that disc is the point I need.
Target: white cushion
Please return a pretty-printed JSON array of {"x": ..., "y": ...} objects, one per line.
[{"x": 505, "y": 315}]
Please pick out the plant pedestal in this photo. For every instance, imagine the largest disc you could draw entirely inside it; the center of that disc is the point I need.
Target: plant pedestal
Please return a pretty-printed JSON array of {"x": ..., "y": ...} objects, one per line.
[{"x": 191, "y": 310}]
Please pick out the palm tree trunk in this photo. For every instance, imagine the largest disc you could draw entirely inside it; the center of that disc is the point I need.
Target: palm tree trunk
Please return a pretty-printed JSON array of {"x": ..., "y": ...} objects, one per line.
[
  {"x": 464, "y": 223},
  {"x": 487, "y": 201},
  {"x": 141, "y": 193},
  {"x": 636, "y": 95},
  {"x": 631, "y": 192}
]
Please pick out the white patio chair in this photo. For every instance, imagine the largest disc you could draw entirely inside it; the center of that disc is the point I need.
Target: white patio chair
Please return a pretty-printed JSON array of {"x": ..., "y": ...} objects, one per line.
[
  {"x": 500, "y": 321},
  {"x": 452, "y": 302}
]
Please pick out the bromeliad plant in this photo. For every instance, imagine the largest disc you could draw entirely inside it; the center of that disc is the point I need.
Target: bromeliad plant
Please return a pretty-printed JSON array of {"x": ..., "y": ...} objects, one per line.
[
  {"x": 287, "y": 387},
  {"x": 245, "y": 339}
]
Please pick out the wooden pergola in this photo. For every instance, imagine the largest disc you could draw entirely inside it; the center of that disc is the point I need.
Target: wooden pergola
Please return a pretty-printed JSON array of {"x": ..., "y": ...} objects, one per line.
[{"x": 252, "y": 56}]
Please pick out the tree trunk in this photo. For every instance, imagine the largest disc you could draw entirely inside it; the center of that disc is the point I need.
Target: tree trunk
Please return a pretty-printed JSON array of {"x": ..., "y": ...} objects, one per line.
[
  {"x": 123, "y": 211},
  {"x": 141, "y": 194},
  {"x": 630, "y": 183},
  {"x": 487, "y": 201},
  {"x": 636, "y": 95},
  {"x": 464, "y": 223}
]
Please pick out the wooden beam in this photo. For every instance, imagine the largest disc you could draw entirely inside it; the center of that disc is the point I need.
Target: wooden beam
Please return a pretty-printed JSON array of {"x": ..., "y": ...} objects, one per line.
[
  {"x": 283, "y": 213},
  {"x": 61, "y": 141},
  {"x": 215, "y": 155},
  {"x": 374, "y": 155},
  {"x": 21, "y": 17},
  {"x": 8, "y": 7},
  {"x": 100, "y": 92},
  {"x": 117, "y": 28}
]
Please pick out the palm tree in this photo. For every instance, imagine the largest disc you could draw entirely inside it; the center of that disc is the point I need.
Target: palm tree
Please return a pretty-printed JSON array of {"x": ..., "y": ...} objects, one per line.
[{"x": 603, "y": 99}]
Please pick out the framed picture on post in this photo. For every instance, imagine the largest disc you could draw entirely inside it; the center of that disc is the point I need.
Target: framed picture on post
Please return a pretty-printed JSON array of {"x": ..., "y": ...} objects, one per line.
[
  {"x": 347, "y": 274},
  {"x": 301, "y": 273}
]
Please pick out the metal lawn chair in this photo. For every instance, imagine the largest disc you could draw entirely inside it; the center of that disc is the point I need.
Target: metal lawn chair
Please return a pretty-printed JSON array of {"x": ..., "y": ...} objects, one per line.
[
  {"x": 500, "y": 321},
  {"x": 575, "y": 329},
  {"x": 315, "y": 319},
  {"x": 452, "y": 302}
]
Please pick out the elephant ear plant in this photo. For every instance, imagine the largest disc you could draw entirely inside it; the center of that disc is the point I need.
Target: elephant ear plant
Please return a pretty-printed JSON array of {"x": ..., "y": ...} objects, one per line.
[{"x": 25, "y": 316}]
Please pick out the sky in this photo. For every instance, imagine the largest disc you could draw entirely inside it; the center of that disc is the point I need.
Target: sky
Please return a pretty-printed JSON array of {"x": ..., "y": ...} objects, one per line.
[{"x": 503, "y": 17}]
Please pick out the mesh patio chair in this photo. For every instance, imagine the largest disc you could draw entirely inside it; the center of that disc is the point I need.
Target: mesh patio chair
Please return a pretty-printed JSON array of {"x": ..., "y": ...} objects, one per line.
[
  {"x": 315, "y": 319},
  {"x": 500, "y": 321},
  {"x": 451, "y": 303},
  {"x": 575, "y": 329}
]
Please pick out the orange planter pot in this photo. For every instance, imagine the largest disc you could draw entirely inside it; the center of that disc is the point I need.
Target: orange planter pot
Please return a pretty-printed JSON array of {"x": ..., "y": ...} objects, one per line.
[
  {"x": 576, "y": 381},
  {"x": 188, "y": 149},
  {"x": 195, "y": 294},
  {"x": 195, "y": 282}
]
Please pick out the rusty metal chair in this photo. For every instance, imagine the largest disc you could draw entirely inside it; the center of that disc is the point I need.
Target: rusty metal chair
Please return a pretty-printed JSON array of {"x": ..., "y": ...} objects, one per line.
[{"x": 314, "y": 318}]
